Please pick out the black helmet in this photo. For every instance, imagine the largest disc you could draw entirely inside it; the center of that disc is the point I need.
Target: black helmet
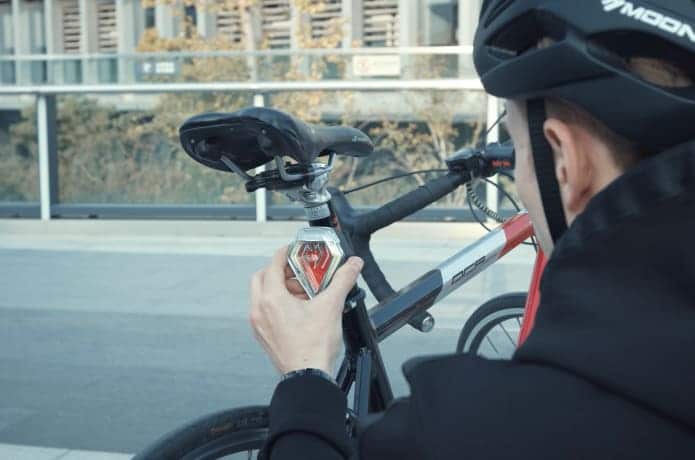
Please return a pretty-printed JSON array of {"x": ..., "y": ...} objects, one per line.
[{"x": 585, "y": 65}]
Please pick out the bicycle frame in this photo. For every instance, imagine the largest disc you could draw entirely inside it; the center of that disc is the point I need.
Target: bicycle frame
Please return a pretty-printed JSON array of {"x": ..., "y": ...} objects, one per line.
[
  {"x": 362, "y": 368},
  {"x": 305, "y": 181},
  {"x": 363, "y": 330}
]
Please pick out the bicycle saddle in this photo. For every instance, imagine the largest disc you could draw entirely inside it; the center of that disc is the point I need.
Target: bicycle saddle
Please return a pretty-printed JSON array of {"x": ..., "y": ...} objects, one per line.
[{"x": 253, "y": 136}]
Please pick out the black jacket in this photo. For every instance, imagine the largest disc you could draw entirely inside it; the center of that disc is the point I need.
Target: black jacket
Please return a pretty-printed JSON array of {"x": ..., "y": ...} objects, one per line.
[{"x": 608, "y": 371}]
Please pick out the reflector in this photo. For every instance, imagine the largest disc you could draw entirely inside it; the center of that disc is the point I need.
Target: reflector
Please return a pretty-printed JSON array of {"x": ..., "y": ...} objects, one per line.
[{"x": 314, "y": 257}]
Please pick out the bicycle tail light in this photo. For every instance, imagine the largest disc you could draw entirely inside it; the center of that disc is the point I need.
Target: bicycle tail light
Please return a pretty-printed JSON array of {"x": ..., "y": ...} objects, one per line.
[{"x": 314, "y": 256}]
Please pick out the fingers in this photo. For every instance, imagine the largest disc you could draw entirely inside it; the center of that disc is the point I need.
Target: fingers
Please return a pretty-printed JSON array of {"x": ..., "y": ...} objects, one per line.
[
  {"x": 275, "y": 273},
  {"x": 288, "y": 272},
  {"x": 256, "y": 289},
  {"x": 344, "y": 279},
  {"x": 256, "y": 293},
  {"x": 296, "y": 289},
  {"x": 293, "y": 285}
]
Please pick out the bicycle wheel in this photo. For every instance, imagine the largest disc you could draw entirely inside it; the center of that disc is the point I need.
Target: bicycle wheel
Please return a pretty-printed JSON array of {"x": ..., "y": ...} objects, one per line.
[
  {"x": 229, "y": 434},
  {"x": 492, "y": 330}
]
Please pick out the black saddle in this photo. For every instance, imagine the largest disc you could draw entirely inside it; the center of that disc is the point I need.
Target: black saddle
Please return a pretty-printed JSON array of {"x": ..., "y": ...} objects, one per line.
[{"x": 253, "y": 136}]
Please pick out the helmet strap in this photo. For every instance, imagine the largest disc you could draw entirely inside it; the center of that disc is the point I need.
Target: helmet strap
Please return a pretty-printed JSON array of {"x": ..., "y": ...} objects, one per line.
[{"x": 544, "y": 162}]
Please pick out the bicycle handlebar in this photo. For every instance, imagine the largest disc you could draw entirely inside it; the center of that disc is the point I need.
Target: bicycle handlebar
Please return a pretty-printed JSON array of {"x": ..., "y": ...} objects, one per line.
[
  {"x": 412, "y": 202},
  {"x": 359, "y": 227}
]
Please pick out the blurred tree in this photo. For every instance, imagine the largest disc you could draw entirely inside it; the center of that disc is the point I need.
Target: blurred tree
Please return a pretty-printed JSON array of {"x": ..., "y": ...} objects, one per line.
[
  {"x": 111, "y": 156},
  {"x": 104, "y": 158},
  {"x": 19, "y": 163},
  {"x": 172, "y": 109}
]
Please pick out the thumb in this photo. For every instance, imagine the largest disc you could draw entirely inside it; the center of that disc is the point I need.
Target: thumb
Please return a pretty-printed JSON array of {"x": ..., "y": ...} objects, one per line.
[{"x": 344, "y": 279}]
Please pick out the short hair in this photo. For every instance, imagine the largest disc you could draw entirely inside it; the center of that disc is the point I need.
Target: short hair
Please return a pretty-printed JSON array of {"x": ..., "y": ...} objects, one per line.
[{"x": 625, "y": 152}]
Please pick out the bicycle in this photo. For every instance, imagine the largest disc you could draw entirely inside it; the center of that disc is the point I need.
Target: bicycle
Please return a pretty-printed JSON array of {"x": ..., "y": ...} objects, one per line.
[{"x": 252, "y": 137}]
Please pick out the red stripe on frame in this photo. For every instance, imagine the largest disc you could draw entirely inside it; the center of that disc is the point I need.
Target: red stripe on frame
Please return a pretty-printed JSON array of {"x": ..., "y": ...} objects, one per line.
[
  {"x": 516, "y": 230},
  {"x": 533, "y": 299}
]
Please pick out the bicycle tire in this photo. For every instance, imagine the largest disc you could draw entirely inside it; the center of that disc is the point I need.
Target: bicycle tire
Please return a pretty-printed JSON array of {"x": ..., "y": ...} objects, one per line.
[
  {"x": 213, "y": 436},
  {"x": 489, "y": 315}
]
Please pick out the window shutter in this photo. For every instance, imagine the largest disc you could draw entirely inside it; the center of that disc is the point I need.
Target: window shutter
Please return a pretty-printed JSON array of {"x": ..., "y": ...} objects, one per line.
[
  {"x": 228, "y": 23},
  {"x": 275, "y": 16},
  {"x": 380, "y": 18},
  {"x": 70, "y": 21},
  {"x": 107, "y": 34},
  {"x": 321, "y": 21}
]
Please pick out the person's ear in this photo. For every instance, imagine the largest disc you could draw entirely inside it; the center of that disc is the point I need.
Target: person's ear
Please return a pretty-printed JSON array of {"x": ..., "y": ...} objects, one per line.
[{"x": 572, "y": 164}]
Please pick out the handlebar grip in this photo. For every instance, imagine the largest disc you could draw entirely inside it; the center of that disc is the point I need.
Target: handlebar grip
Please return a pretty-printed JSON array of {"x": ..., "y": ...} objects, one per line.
[
  {"x": 411, "y": 202},
  {"x": 498, "y": 157}
]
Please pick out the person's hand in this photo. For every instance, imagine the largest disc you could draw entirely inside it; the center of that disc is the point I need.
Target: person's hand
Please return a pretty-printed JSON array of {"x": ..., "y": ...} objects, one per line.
[{"x": 295, "y": 331}]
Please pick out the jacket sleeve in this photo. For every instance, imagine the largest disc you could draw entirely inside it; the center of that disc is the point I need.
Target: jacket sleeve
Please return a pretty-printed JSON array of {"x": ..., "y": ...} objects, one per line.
[{"x": 307, "y": 421}]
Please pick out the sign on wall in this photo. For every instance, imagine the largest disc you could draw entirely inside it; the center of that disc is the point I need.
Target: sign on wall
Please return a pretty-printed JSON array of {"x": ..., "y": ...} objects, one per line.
[{"x": 386, "y": 65}]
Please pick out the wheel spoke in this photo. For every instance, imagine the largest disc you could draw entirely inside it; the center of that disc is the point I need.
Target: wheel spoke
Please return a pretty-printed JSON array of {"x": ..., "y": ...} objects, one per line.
[
  {"x": 511, "y": 340},
  {"x": 487, "y": 337},
  {"x": 484, "y": 338}
]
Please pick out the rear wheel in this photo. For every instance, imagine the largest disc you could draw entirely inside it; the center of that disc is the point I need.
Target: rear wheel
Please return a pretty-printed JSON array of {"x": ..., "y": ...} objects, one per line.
[
  {"x": 229, "y": 434},
  {"x": 492, "y": 331}
]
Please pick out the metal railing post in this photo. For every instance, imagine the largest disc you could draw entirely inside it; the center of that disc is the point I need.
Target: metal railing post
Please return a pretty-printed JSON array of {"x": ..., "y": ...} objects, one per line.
[
  {"x": 48, "y": 161},
  {"x": 493, "y": 112},
  {"x": 261, "y": 194}
]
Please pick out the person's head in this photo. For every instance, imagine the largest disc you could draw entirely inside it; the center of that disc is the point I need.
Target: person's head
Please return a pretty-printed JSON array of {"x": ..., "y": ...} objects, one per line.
[
  {"x": 587, "y": 154},
  {"x": 599, "y": 92}
]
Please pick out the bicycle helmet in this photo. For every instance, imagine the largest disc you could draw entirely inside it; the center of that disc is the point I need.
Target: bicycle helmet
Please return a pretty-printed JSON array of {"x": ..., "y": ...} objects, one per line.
[{"x": 586, "y": 65}]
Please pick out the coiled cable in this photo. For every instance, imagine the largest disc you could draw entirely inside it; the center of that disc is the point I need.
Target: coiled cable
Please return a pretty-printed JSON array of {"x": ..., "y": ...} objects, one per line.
[{"x": 475, "y": 199}]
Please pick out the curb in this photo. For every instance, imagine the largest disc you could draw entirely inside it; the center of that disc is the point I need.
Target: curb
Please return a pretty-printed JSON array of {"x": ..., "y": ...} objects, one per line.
[{"x": 435, "y": 231}]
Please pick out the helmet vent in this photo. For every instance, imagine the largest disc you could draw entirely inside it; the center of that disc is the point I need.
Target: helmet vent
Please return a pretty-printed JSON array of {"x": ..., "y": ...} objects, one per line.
[
  {"x": 495, "y": 11},
  {"x": 518, "y": 37},
  {"x": 628, "y": 45}
]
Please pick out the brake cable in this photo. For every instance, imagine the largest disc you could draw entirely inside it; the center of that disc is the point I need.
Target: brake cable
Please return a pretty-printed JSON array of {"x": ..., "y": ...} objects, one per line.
[
  {"x": 472, "y": 196},
  {"x": 386, "y": 179}
]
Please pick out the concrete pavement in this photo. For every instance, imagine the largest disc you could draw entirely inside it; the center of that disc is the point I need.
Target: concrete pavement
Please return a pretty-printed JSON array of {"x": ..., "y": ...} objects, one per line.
[
  {"x": 113, "y": 332},
  {"x": 18, "y": 452}
]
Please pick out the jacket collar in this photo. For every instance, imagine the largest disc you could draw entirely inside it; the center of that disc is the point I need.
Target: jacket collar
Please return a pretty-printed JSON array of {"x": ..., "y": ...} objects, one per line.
[
  {"x": 618, "y": 294},
  {"x": 666, "y": 176}
]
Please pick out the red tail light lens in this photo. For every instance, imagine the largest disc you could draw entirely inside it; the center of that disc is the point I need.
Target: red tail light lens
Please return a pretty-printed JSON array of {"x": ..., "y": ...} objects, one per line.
[{"x": 314, "y": 257}]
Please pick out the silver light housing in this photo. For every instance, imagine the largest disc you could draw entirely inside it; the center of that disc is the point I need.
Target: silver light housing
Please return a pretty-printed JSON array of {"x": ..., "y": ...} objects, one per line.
[{"x": 314, "y": 257}]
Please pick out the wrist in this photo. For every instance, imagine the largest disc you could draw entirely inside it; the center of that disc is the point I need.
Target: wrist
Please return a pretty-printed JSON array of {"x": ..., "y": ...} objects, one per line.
[
  {"x": 308, "y": 371},
  {"x": 322, "y": 362}
]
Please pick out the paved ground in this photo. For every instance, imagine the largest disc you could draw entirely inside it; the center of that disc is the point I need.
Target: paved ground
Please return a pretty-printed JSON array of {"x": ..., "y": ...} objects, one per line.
[
  {"x": 20, "y": 452},
  {"x": 113, "y": 333}
]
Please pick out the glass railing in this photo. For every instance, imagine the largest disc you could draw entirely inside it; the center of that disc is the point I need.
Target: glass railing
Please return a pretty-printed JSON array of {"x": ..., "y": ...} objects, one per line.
[
  {"x": 125, "y": 150},
  {"x": 119, "y": 146},
  {"x": 18, "y": 151},
  {"x": 449, "y": 62}
]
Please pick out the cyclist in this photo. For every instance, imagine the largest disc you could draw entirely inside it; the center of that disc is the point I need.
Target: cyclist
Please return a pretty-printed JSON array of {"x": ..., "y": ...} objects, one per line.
[{"x": 601, "y": 109}]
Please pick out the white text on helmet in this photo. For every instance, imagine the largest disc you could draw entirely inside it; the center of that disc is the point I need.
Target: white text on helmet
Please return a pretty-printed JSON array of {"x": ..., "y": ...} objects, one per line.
[{"x": 650, "y": 17}]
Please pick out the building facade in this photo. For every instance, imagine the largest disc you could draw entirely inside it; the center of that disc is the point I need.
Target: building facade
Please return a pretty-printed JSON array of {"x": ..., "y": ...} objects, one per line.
[{"x": 61, "y": 29}]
